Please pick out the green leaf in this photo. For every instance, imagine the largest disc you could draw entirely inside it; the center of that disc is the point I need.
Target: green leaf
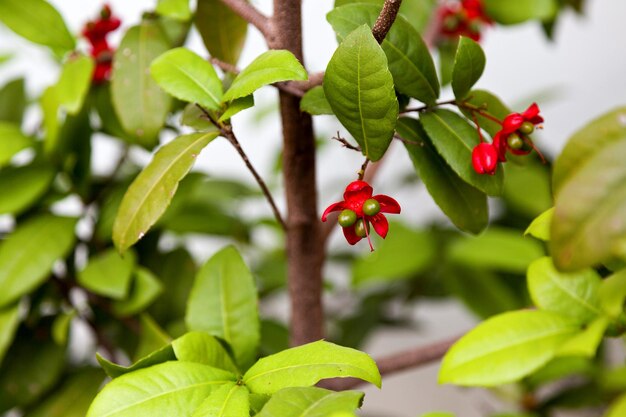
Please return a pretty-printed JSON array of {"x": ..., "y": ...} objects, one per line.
[
  {"x": 175, "y": 9},
  {"x": 195, "y": 118},
  {"x": 74, "y": 82},
  {"x": 410, "y": 62},
  {"x": 314, "y": 102},
  {"x": 612, "y": 293},
  {"x": 402, "y": 255},
  {"x": 310, "y": 402},
  {"x": 591, "y": 230},
  {"x": 540, "y": 227},
  {"x": 223, "y": 302},
  {"x": 307, "y": 364},
  {"x": 268, "y": 68},
  {"x": 145, "y": 289},
  {"x": 586, "y": 342},
  {"x": 359, "y": 89},
  {"x": 109, "y": 274},
  {"x": 23, "y": 186},
  {"x": 464, "y": 205},
  {"x": 151, "y": 192},
  {"x": 12, "y": 141},
  {"x": 13, "y": 102},
  {"x": 164, "y": 354},
  {"x": 534, "y": 178},
  {"x": 491, "y": 105},
  {"x": 574, "y": 294},
  {"x": 618, "y": 408},
  {"x": 454, "y": 138},
  {"x": 61, "y": 327},
  {"x": 469, "y": 64},
  {"x": 167, "y": 389},
  {"x": 229, "y": 400},
  {"x": 510, "y": 13},
  {"x": 152, "y": 338},
  {"x": 28, "y": 254},
  {"x": 236, "y": 106},
  {"x": 223, "y": 31},
  {"x": 203, "y": 348},
  {"x": 438, "y": 414},
  {"x": 506, "y": 348},
  {"x": 188, "y": 77},
  {"x": 9, "y": 319},
  {"x": 39, "y": 22},
  {"x": 498, "y": 249},
  {"x": 138, "y": 101}
]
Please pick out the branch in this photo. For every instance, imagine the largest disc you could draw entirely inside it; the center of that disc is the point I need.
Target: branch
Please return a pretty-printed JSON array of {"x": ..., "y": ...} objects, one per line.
[
  {"x": 397, "y": 362},
  {"x": 249, "y": 13},
  {"x": 385, "y": 19}
]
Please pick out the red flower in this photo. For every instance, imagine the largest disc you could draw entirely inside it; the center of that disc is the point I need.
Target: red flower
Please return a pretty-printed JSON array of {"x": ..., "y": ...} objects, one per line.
[
  {"x": 485, "y": 158},
  {"x": 96, "y": 33},
  {"x": 360, "y": 209},
  {"x": 464, "y": 18},
  {"x": 514, "y": 121}
]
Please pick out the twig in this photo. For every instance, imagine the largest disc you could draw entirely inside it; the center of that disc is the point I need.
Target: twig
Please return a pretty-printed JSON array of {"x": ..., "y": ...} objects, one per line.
[
  {"x": 249, "y": 13},
  {"x": 385, "y": 19},
  {"x": 345, "y": 143},
  {"x": 362, "y": 175},
  {"x": 410, "y": 142}
]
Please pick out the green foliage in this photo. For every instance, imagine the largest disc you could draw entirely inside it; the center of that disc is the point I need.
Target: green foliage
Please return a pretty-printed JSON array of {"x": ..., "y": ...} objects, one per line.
[
  {"x": 23, "y": 186},
  {"x": 12, "y": 140},
  {"x": 108, "y": 274},
  {"x": 201, "y": 347},
  {"x": 509, "y": 13},
  {"x": 74, "y": 82},
  {"x": 469, "y": 64},
  {"x": 223, "y": 40},
  {"x": 176, "y": 9},
  {"x": 314, "y": 102},
  {"x": 12, "y": 102},
  {"x": 9, "y": 319},
  {"x": 310, "y": 402}
]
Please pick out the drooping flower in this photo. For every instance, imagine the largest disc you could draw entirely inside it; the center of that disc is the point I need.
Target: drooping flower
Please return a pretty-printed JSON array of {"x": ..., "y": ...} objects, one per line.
[
  {"x": 96, "y": 33},
  {"x": 462, "y": 18},
  {"x": 525, "y": 122},
  {"x": 485, "y": 158},
  {"x": 359, "y": 209}
]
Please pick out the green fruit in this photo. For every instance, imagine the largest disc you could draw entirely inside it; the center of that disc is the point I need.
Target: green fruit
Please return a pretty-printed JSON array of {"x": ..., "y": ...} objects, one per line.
[
  {"x": 515, "y": 142},
  {"x": 371, "y": 207},
  {"x": 451, "y": 23},
  {"x": 527, "y": 128},
  {"x": 347, "y": 218},
  {"x": 359, "y": 228}
]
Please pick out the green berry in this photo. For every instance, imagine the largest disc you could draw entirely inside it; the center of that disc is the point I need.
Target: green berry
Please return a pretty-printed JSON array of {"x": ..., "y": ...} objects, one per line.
[
  {"x": 359, "y": 228},
  {"x": 474, "y": 27},
  {"x": 515, "y": 142},
  {"x": 347, "y": 218},
  {"x": 371, "y": 207},
  {"x": 527, "y": 128},
  {"x": 451, "y": 23}
]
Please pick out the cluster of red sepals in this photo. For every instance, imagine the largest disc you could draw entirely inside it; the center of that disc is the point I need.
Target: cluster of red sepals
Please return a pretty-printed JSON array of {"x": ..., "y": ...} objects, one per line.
[
  {"x": 96, "y": 33},
  {"x": 462, "y": 18},
  {"x": 512, "y": 137}
]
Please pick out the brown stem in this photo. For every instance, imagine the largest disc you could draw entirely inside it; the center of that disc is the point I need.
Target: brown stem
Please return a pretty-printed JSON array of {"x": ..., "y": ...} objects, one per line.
[
  {"x": 397, "y": 362},
  {"x": 305, "y": 253},
  {"x": 385, "y": 19},
  {"x": 249, "y": 13}
]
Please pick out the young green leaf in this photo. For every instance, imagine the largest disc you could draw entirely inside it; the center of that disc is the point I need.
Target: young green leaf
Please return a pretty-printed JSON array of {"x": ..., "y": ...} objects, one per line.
[
  {"x": 438, "y": 414},
  {"x": 506, "y": 348},
  {"x": 314, "y": 102},
  {"x": 489, "y": 104},
  {"x": 464, "y": 205},
  {"x": 39, "y": 22},
  {"x": 268, "y": 68},
  {"x": 306, "y": 365},
  {"x": 168, "y": 389},
  {"x": 469, "y": 64},
  {"x": 612, "y": 293},
  {"x": 12, "y": 140},
  {"x": 161, "y": 355},
  {"x": 12, "y": 103},
  {"x": 9, "y": 319},
  {"x": 145, "y": 289},
  {"x": 23, "y": 186},
  {"x": 138, "y": 101},
  {"x": 236, "y": 106},
  {"x": 510, "y": 13},
  {"x": 223, "y": 302},
  {"x": 359, "y": 88},
  {"x": 109, "y": 274},
  {"x": 618, "y": 408},
  {"x": 188, "y": 77},
  {"x": 310, "y": 402},
  {"x": 229, "y": 400},
  {"x": 28, "y": 254},
  {"x": 203, "y": 348},
  {"x": 222, "y": 30},
  {"x": 74, "y": 82},
  {"x": 454, "y": 138},
  {"x": 410, "y": 62},
  {"x": 174, "y": 9},
  {"x": 151, "y": 192},
  {"x": 540, "y": 227},
  {"x": 570, "y": 294},
  {"x": 151, "y": 337},
  {"x": 586, "y": 342}
]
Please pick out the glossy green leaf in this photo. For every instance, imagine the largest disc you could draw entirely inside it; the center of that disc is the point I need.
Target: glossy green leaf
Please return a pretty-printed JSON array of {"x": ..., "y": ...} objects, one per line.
[
  {"x": 464, "y": 205},
  {"x": 612, "y": 293},
  {"x": 9, "y": 319},
  {"x": 39, "y": 22},
  {"x": 305, "y": 365},
  {"x": 145, "y": 289},
  {"x": 28, "y": 254},
  {"x": 534, "y": 178},
  {"x": 23, "y": 186},
  {"x": 438, "y": 414},
  {"x": 12, "y": 140},
  {"x": 167, "y": 389},
  {"x": 314, "y": 102},
  {"x": 13, "y": 102},
  {"x": 223, "y": 31},
  {"x": 409, "y": 60},
  {"x": 50, "y": 107},
  {"x": 74, "y": 82},
  {"x": 454, "y": 138},
  {"x": 195, "y": 118},
  {"x": 229, "y": 400},
  {"x": 540, "y": 227},
  {"x": 61, "y": 327},
  {"x": 402, "y": 255},
  {"x": 152, "y": 337},
  {"x": 164, "y": 354},
  {"x": 203, "y": 348},
  {"x": 586, "y": 342},
  {"x": 491, "y": 105},
  {"x": 268, "y": 68},
  {"x": 108, "y": 273},
  {"x": 236, "y": 106},
  {"x": 506, "y": 348},
  {"x": 310, "y": 402},
  {"x": 417, "y": 12},
  {"x": 618, "y": 408},
  {"x": 591, "y": 230},
  {"x": 510, "y": 13},
  {"x": 560, "y": 367},
  {"x": 223, "y": 302},
  {"x": 570, "y": 294},
  {"x": 188, "y": 77},
  {"x": 139, "y": 103},
  {"x": 469, "y": 64},
  {"x": 175, "y": 9},
  {"x": 359, "y": 89},
  {"x": 111, "y": 124},
  {"x": 498, "y": 249},
  {"x": 151, "y": 192}
]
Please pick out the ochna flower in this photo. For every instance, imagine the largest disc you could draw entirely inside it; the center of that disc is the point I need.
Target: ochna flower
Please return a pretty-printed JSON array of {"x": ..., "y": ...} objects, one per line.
[
  {"x": 96, "y": 33},
  {"x": 485, "y": 158},
  {"x": 464, "y": 18},
  {"x": 359, "y": 209},
  {"x": 524, "y": 122}
]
